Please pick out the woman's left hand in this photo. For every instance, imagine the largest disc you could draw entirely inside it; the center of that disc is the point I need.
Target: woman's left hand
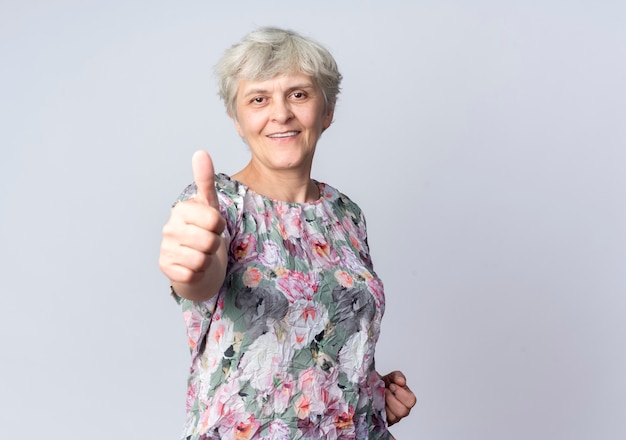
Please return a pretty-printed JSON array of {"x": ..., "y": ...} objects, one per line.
[{"x": 399, "y": 399}]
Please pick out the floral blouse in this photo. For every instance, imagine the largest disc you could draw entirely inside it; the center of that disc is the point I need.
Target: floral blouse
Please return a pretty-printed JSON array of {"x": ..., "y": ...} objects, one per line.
[{"x": 285, "y": 350}]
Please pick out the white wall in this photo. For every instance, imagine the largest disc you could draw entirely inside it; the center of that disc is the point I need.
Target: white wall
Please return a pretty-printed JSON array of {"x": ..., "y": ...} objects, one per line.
[{"x": 486, "y": 142}]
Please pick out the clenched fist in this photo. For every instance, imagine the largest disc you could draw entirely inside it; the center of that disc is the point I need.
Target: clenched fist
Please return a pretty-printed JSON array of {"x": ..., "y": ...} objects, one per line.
[{"x": 399, "y": 399}]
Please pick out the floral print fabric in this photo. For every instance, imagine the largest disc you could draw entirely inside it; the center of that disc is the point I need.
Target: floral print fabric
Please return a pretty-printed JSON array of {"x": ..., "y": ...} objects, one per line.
[{"x": 285, "y": 350}]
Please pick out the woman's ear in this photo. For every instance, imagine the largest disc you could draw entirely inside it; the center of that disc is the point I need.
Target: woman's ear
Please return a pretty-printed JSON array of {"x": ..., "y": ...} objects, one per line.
[{"x": 328, "y": 117}]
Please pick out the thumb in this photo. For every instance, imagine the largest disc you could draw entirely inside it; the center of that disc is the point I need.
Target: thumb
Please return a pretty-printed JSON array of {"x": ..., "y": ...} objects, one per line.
[{"x": 204, "y": 178}]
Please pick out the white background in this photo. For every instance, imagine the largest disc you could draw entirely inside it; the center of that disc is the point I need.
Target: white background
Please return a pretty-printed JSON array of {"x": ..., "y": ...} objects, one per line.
[{"x": 485, "y": 141}]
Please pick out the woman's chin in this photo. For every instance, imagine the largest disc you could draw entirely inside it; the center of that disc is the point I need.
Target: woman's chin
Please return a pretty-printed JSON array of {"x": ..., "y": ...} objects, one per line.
[{"x": 292, "y": 164}]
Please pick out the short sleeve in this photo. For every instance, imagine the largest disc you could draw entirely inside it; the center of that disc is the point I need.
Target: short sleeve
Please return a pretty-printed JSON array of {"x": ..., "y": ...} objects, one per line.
[{"x": 228, "y": 207}]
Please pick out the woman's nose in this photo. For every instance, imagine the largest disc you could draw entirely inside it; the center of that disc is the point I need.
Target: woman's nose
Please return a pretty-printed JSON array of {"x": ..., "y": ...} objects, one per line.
[{"x": 281, "y": 112}]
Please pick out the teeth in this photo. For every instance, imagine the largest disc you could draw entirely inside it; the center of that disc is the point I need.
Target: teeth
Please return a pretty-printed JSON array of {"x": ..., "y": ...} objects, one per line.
[{"x": 282, "y": 135}]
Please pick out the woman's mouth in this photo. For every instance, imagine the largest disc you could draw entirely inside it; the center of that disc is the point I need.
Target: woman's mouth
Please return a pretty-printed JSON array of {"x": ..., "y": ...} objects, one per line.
[{"x": 283, "y": 135}]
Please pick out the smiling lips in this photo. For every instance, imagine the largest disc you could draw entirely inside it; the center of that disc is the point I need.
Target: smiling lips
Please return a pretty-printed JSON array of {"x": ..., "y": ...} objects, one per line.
[{"x": 282, "y": 135}]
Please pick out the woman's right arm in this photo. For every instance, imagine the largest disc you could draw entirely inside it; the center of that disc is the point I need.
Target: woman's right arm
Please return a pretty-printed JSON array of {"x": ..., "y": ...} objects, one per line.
[{"x": 194, "y": 254}]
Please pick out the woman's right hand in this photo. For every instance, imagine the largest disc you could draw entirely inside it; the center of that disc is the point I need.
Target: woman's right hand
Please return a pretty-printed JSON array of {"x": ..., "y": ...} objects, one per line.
[
  {"x": 399, "y": 399},
  {"x": 193, "y": 252}
]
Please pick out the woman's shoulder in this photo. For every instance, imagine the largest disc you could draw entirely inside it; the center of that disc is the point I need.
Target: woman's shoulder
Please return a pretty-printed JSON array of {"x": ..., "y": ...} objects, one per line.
[
  {"x": 223, "y": 184},
  {"x": 229, "y": 187},
  {"x": 340, "y": 201}
]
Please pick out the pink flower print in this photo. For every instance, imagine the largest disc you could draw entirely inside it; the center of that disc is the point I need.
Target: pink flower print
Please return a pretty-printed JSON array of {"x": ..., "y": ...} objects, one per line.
[
  {"x": 296, "y": 285},
  {"x": 377, "y": 385},
  {"x": 291, "y": 224},
  {"x": 311, "y": 383},
  {"x": 252, "y": 277},
  {"x": 270, "y": 256},
  {"x": 218, "y": 341},
  {"x": 351, "y": 260},
  {"x": 306, "y": 320},
  {"x": 283, "y": 390},
  {"x": 263, "y": 218},
  {"x": 280, "y": 209},
  {"x": 224, "y": 403},
  {"x": 348, "y": 224},
  {"x": 328, "y": 192},
  {"x": 318, "y": 388},
  {"x": 339, "y": 423},
  {"x": 344, "y": 420},
  {"x": 192, "y": 395},
  {"x": 217, "y": 313},
  {"x": 241, "y": 426},
  {"x": 283, "y": 210},
  {"x": 326, "y": 428},
  {"x": 361, "y": 229},
  {"x": 278, "y": 431},
  {"x": 375, "y": 285},
  {"x": 244, "y": 247},
  {"x": 344, "y": 279},
  {"x": 193, "y": 321},
  {"x": 320, "y": 251},
  {"x": 355, "y": 242},
  {"x": 320, "y": 246},
  {"x": 302, "y": 407},
  {"x": 352, "y": 231}
]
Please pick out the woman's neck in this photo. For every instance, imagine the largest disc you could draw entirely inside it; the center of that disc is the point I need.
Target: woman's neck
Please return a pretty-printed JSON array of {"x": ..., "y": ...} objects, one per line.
[{"x": 288, "y": 186}]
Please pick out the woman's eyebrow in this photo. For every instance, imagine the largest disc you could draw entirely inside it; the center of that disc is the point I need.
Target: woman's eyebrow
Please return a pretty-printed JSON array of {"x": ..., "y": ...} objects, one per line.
[
  {"x": 300, "y": 86},
  {"x": 260, "y": 91},
  {"x": 255, "y": 92}
]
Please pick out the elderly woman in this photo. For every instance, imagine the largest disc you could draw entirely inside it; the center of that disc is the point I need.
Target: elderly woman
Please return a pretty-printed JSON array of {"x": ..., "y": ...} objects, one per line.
[{"x": 272, "y": 268}]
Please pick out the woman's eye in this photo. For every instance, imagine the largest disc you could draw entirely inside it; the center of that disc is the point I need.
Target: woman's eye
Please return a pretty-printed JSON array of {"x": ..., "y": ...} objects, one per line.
[
  {"x": 258, "y": 100},
  {"x": 298, "y": 95}
]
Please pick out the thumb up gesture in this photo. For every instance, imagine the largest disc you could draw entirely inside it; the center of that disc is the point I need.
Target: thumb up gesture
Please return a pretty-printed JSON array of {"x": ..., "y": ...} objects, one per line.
[
  {"x": 193, "y": 252},
  {"x": 204, "y": 178}
]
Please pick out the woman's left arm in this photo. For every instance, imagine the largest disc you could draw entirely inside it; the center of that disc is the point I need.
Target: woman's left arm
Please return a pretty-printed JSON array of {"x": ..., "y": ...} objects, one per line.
[{"x": 399, "y": 399}]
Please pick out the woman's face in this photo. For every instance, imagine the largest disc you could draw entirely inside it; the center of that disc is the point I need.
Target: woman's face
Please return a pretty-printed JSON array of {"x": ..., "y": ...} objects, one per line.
[{"x": 281, "y": 120}]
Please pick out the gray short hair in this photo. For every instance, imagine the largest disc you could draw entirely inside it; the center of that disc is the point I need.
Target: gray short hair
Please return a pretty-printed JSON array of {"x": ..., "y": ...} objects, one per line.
[{"x": 268, "y": 52}]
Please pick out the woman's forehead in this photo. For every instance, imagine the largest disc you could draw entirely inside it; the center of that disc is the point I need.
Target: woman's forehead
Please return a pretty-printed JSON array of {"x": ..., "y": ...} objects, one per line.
[{"x": 277, "y": 83}]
